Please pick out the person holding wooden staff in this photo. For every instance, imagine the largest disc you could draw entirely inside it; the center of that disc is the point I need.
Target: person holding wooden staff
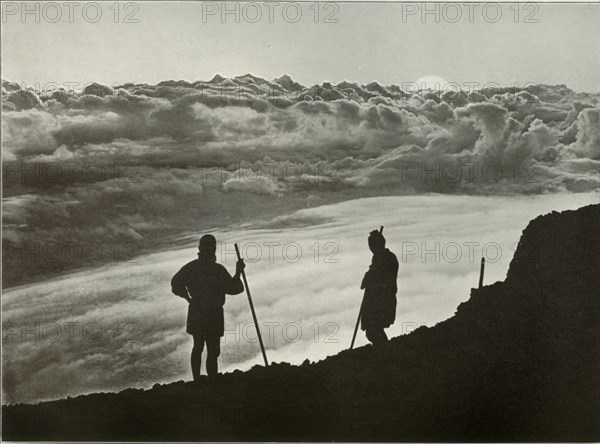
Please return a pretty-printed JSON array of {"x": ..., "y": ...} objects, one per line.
[
  {"x": 378, "y": 309},
  {"x": 204, "y": 284}
]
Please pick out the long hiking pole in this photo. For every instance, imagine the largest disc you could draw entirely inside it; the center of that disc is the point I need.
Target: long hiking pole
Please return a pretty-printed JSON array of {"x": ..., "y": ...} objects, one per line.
[
  {"x": 262, "y": 346},
  {"x": 357, "y": 322},
  {"x": 360, "y": 311}
]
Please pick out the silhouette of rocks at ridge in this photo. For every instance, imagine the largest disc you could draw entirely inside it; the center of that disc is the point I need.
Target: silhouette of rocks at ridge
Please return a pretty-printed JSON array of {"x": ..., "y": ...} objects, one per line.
[{"x": 518, "y": 362}]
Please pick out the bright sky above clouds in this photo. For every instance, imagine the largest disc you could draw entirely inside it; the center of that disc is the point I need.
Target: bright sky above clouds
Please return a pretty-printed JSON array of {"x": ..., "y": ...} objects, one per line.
[{"x": 386, "y": 42}]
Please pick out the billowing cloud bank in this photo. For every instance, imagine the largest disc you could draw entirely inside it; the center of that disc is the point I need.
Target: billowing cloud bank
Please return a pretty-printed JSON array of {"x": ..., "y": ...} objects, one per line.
[{"x": 132, "y": 163}]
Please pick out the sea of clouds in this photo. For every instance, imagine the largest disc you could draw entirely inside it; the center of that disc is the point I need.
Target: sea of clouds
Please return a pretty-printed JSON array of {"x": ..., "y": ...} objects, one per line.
[
  {"x": 117, "y": 182},
  {"x": 118, "y": 326},
  {"x": 129, "y": 165}
]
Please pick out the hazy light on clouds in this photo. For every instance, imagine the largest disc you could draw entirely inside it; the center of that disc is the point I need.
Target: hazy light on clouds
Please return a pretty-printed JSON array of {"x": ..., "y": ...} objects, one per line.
[
  {"x": 209, "y": 154},
  {"x": 305, "y": 292}
]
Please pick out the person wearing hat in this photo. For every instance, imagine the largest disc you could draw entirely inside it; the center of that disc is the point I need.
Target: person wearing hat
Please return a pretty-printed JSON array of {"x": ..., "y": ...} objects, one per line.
[
  {"x": 204, "y": 283},
  {"x": 379, "y": 283}
]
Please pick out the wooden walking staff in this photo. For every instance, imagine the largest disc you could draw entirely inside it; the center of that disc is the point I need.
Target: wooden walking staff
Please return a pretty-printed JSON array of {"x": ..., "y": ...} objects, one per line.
[
  {"x": 361, "y": 308},
  {"x": 481, "y": 272},
  {"x": 262, "y": 346}
]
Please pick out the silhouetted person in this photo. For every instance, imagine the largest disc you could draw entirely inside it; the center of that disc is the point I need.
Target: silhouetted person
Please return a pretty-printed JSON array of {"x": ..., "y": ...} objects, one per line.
[
  {"x": 379, "y": 304},
  {"x": 204, "y": 283}
]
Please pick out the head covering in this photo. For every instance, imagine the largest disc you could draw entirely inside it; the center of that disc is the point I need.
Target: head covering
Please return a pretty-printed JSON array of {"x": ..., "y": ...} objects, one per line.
[
  {"x": 376, "y": 240},
  {"x": 207, "y": 247},
  {"x": 207, "y": 240}
]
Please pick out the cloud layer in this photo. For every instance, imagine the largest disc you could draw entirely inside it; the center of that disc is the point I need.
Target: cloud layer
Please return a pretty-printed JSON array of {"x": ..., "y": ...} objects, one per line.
[
  {"x": 137, "y": 163},
  {"x": 118, "y": 326}
]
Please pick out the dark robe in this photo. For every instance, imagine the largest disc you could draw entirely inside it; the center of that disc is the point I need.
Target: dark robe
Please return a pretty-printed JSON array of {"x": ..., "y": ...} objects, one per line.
[
  {"x": 205, "y": 283},
  {"x": 379, "y": 304}
]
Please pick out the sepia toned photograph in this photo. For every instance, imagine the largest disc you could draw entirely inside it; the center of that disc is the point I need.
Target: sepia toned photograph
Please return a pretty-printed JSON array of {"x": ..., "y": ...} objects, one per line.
[{"x": 304, "y": 221}]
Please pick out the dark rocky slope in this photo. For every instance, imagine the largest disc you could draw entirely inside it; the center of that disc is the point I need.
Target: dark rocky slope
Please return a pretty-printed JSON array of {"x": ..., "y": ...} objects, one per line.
[{"x": 520, "y": 361}]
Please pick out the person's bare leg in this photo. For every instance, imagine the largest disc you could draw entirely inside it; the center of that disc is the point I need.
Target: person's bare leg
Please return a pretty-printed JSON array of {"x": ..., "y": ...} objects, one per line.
[
  {"x": 196, "y": 358},
  {"x": 213, "y": 350}
]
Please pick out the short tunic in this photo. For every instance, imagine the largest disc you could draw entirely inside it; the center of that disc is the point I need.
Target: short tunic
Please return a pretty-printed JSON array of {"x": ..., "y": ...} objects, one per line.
[{"x": 206, "y": 284}]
